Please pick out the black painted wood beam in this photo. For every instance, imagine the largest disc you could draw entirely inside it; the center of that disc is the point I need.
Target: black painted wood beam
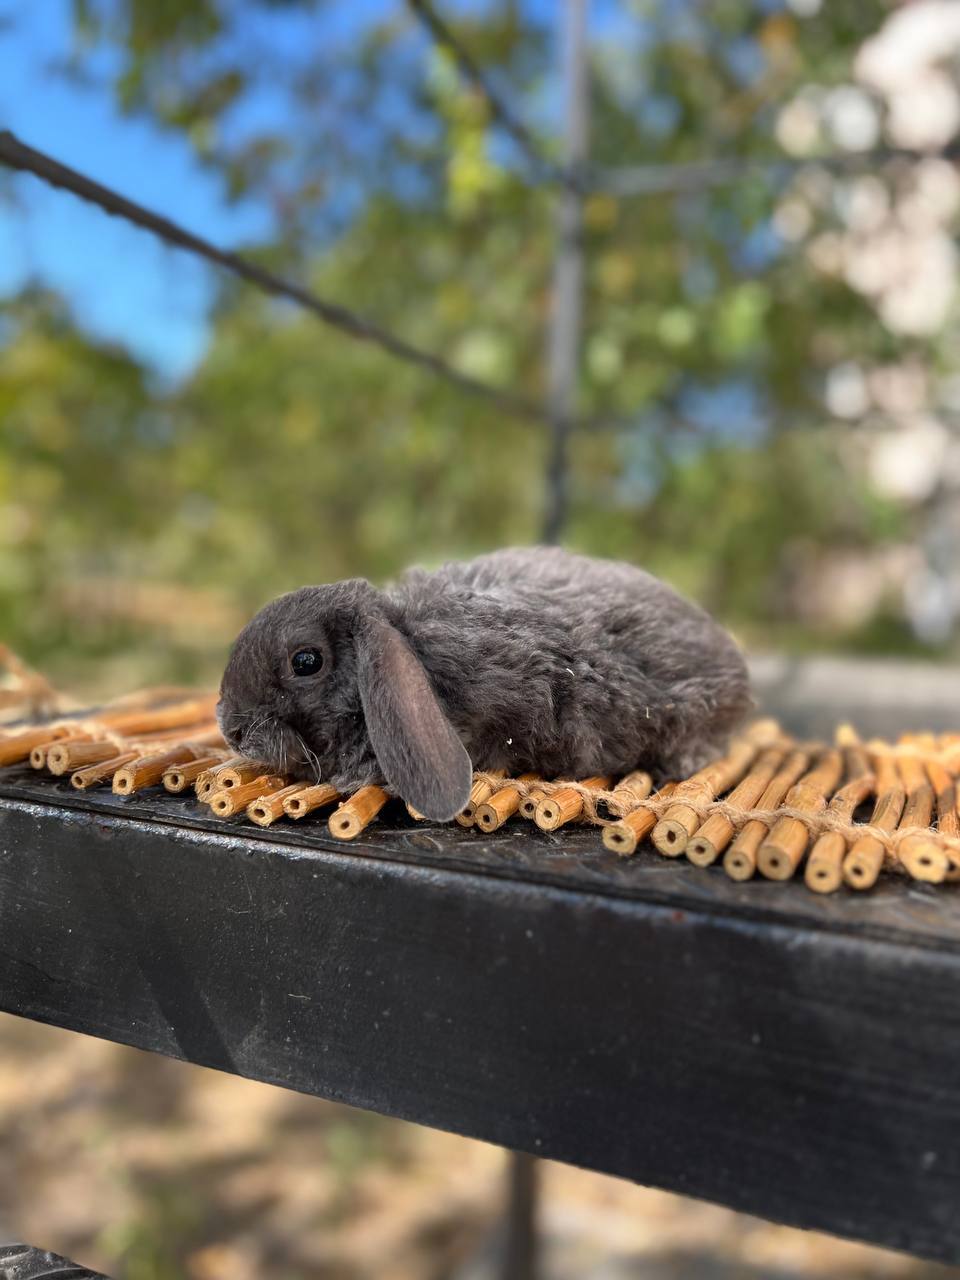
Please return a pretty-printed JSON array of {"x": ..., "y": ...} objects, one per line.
[{"x": 752, "y": 1044}]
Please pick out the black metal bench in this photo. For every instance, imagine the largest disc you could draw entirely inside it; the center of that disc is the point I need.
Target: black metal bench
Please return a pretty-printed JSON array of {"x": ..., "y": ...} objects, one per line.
[
  {"x": 21, "y": 1262},
  {"x": 784, "y": 1054}
]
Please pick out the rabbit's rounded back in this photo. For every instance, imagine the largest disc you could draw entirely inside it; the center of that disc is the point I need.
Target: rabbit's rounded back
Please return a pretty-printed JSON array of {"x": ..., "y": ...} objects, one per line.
[
  {"x": 528, "y": 659},
  {"x": 568, "y": 665}
]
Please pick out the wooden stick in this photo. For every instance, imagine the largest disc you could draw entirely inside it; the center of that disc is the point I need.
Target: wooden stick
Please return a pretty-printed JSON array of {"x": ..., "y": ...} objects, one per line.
[
  {"x": 155, "y": 696},
  {"x": 678, "y": 824},
  {"x": 862, "y": 864},
  {"x": 566, "y": 805},
  {"x": 265, "y": 810},
  {"x": 480, "y": 792},
  {"x": 95, "y": 774},
  {"x": 740, "y": 860},
  {"x": 415, "y": 814},
  {"x": 38, "y": 756},
  {"x": 179, "y": 776},
  {"x": 304, "y": 802},
  {"x": 629, "y": 792},
  {"x": 948, "y": 817},
  {"x": 710, "y": 840},
  {"x": 765, "y": 733},
  {"x": 624, "y": 836},
  {"x": 782, "y": 851},
  {"x": 922, "y": 855},
  {"x": 206, "y": 782},
  {"x": 237, "y": 773},
  {"x": 207, "y": 733},
  {"x": 227, "y": 802},
  {"x": 527, "y": 807},
  {"x": 18, "y": 746},
  {"x": 146, "y": 771},
  {"x": 503, "y": 804},
  {"x": 357, "y": 812},
  {"x": 824, "y": 869},
  {"x": 67, "y": 756},
  {"x": 925, "y": 743},
  {"x": 177, "y": 715}
]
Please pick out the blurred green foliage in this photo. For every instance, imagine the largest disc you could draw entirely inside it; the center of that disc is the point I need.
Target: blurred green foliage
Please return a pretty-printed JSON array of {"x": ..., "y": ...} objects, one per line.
[{"x": 295, "y": 455}]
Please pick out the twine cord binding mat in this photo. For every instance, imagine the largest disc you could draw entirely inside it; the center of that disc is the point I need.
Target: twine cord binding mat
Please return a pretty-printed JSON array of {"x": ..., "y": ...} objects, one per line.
[{"x": 771, "y": 805}]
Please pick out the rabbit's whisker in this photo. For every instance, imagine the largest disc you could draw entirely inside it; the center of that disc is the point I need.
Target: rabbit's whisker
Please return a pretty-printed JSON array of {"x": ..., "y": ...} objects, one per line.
[{"x": 310, "y": 757}]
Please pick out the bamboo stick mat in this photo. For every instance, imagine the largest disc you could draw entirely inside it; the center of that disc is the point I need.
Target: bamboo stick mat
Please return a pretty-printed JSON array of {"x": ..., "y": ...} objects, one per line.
[{"x": 836, "y": 814}]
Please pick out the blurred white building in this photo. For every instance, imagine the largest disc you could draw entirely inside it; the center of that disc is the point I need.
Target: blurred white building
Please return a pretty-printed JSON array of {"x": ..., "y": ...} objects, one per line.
[{"x": 891, "y": 237}]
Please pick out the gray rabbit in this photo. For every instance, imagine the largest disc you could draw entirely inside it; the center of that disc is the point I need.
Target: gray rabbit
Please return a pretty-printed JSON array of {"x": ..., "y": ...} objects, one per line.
[{"x": 528, "y": 660}]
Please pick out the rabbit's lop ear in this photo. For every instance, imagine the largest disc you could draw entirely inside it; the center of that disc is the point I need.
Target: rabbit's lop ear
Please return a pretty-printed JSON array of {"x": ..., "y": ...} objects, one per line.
[{"x": 416, "y": 746}]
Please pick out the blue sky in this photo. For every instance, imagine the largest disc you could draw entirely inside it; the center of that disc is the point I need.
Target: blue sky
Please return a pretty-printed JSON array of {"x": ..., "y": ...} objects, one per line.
[{"x": 122, "y": 284}]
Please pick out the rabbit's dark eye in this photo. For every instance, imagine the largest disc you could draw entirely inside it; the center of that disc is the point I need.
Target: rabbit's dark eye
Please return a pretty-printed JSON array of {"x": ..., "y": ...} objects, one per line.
[{"x": 306, "y": 662}]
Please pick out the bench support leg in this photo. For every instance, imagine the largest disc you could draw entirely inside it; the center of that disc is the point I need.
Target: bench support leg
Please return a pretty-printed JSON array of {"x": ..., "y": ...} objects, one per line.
[{"x": 520, "y": 1244}]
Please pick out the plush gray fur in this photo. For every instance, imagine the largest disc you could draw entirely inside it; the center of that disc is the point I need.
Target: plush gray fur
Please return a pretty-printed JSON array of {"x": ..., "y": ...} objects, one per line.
[{"x": 531, "y": 659}]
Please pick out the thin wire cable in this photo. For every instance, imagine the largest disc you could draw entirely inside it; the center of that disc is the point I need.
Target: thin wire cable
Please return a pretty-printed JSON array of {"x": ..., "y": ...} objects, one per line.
[
  {"x": 549, "y": 170},
  {"x": 17, "y": 155}
]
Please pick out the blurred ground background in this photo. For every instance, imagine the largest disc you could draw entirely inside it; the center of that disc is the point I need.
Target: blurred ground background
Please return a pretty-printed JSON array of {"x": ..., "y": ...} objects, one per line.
[{"x": 779, "y": 348}]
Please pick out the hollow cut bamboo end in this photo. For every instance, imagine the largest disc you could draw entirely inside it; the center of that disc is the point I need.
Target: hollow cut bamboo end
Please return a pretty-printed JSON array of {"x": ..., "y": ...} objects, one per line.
[
  {"x": 480, "y": 792},
  {"x": 824, "y": 870},
  {"x": 488, "y": 819},
  {"x": 670, "y": 837},
  {"x": 57, "y": 761},
  {"x": 558, "y": 809},
  {"x": 356, "y": 814},
  {"x": 503, "y": 804},
  {"x": 239, "y": 775},
  {"x": 528, "y": 805},
  {"x": 221, "y": 802},
  {"x": 268, "y": 809},
  {"x": 207, "y": 780},
  {"x": 227, "y": 802},
  {"x": 305, "y": 801},
  {"x": 95, "y": 775},
  {"x": 701, "y": 851},
  {"x": 781, "y": 854},
  {"x": 620, "y": 839},
  {"x": 924, "y": 860},
  {"x": 823, "y": 877},
  {"x": 547, "y": 815},
  {"x": 739, "y": 865},
  {"x": 861, "y": 870},
  {"x": 775, "y": 863},
  {"x": 493, "y": 813},
  {"x": 345, "y": 824}
]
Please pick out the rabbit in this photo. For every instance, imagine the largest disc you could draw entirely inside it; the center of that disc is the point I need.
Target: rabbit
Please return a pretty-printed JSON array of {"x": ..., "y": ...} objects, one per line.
[{"x": 527, "y": 660}]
